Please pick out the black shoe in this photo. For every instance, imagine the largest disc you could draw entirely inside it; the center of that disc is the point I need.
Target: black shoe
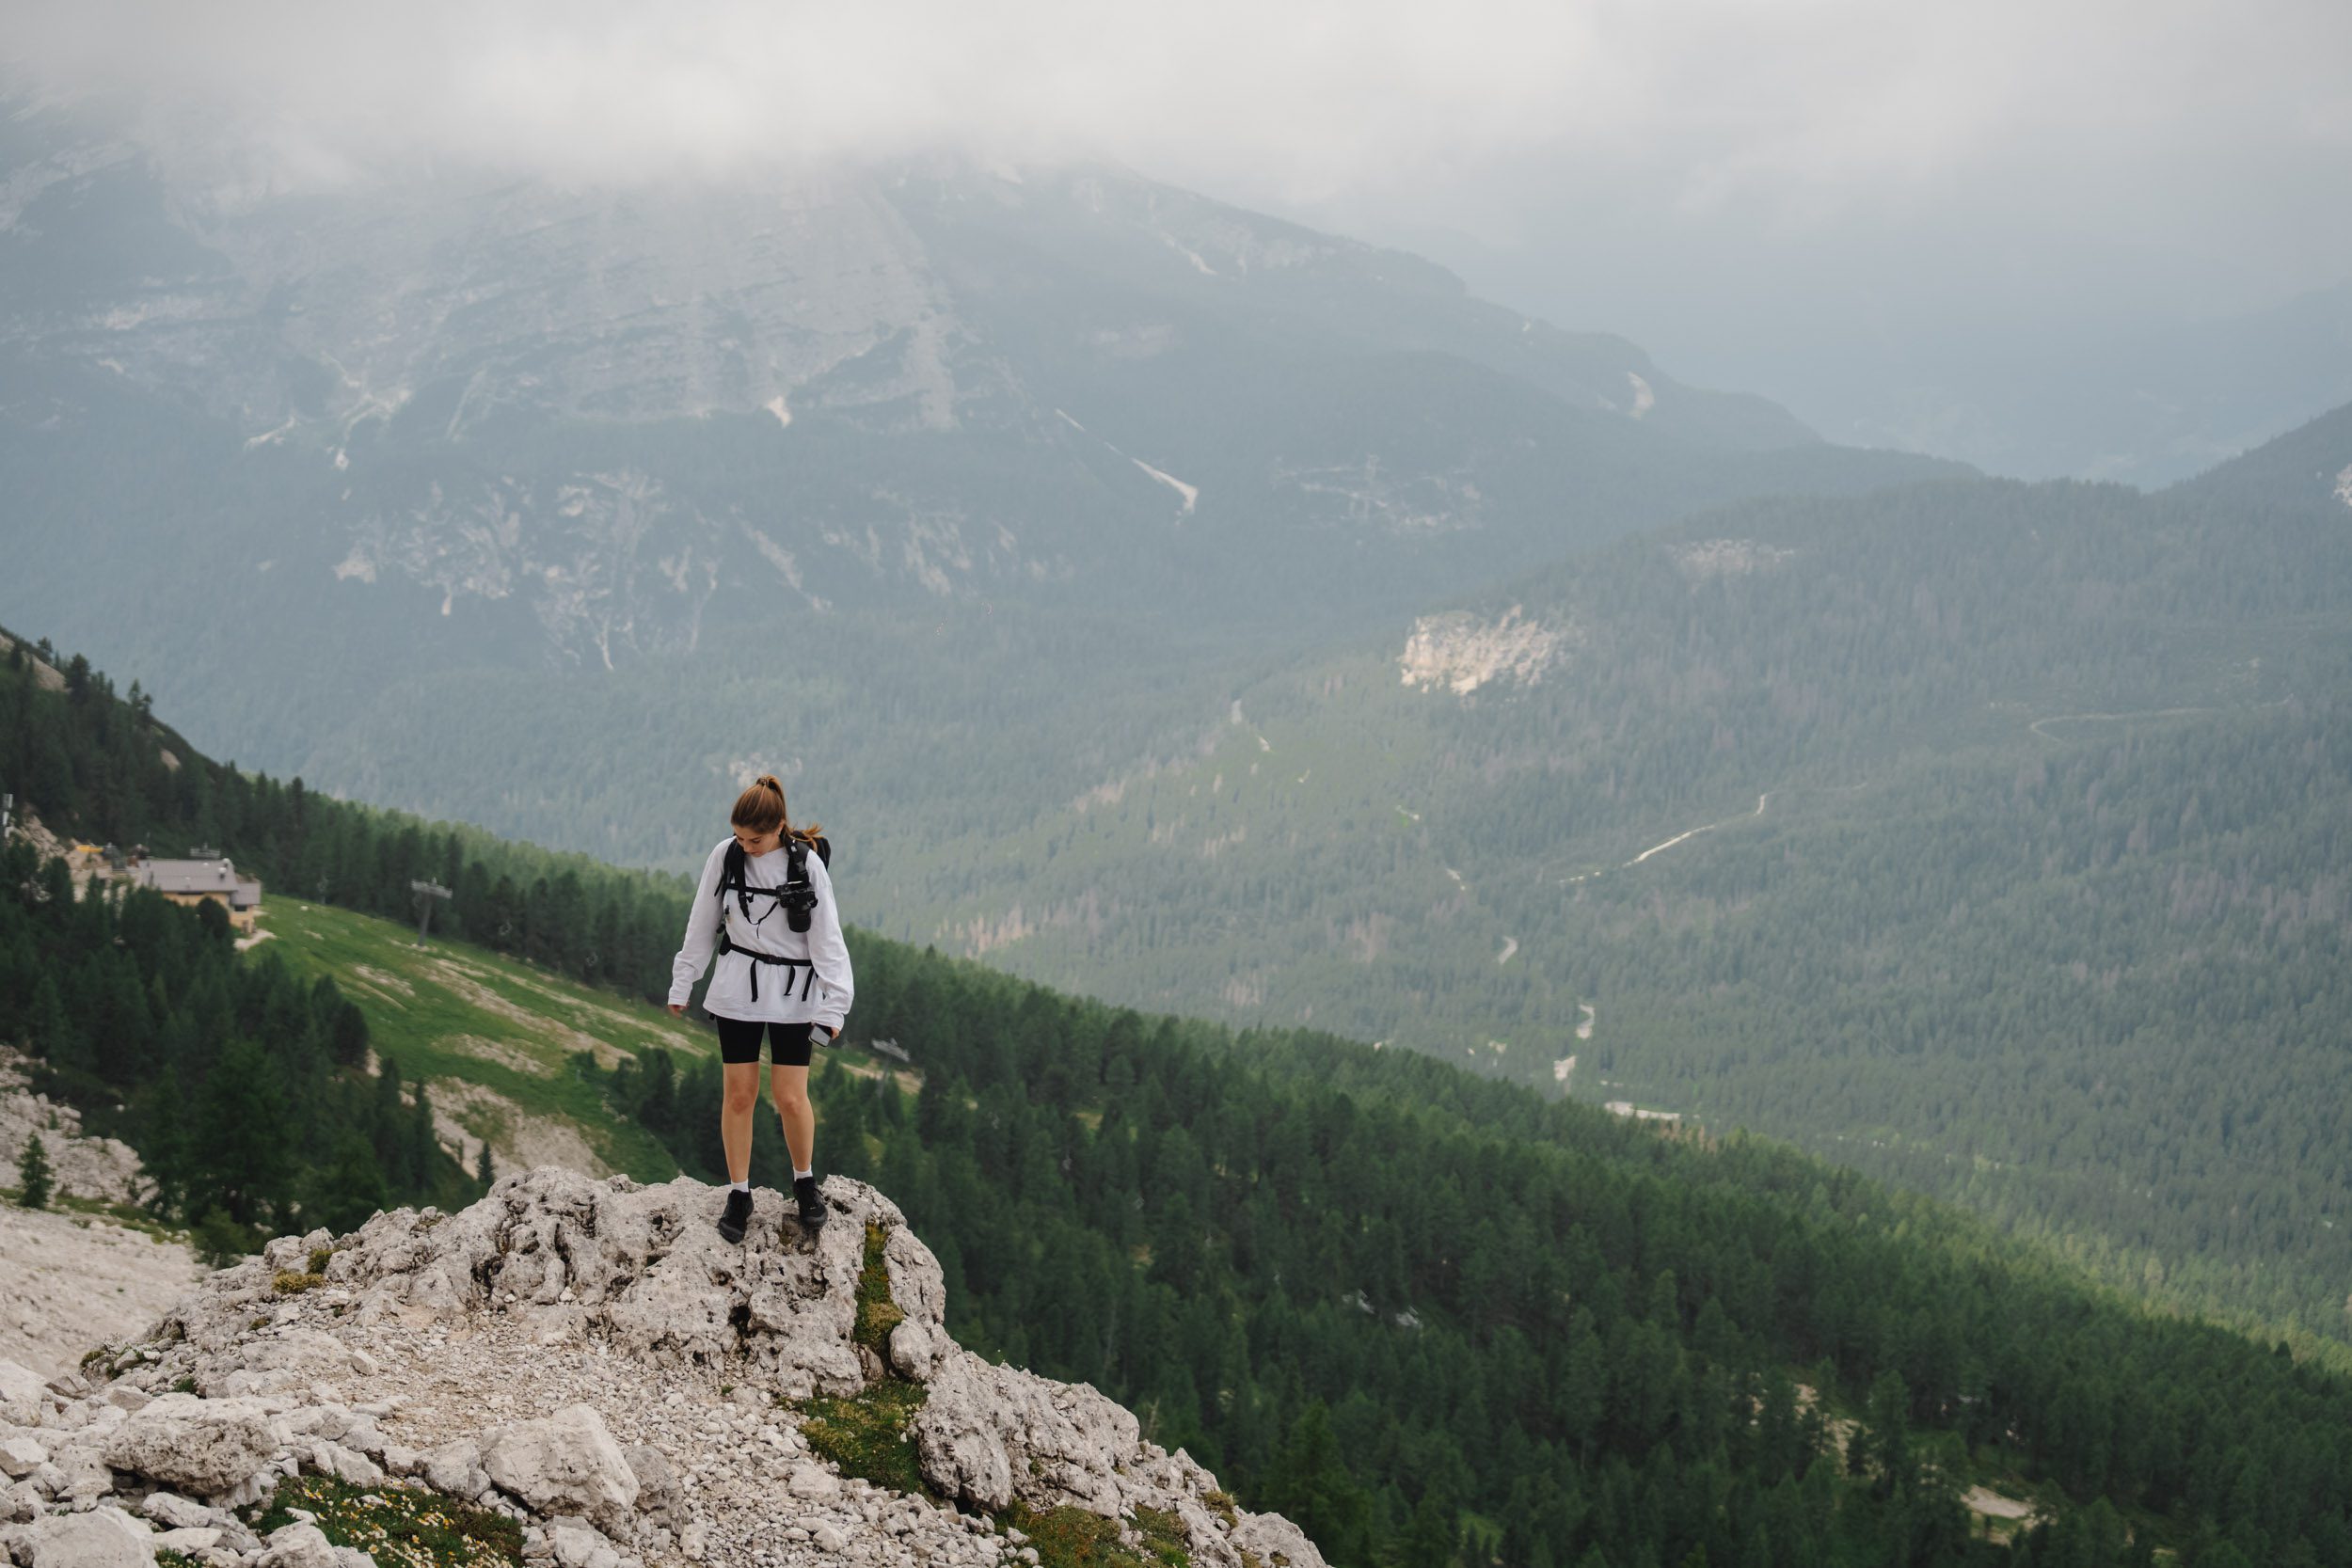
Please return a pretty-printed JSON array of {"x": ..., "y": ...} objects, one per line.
[
  {"x": 812, "y": 1204},
  {"x": 738, "y": 1214}
]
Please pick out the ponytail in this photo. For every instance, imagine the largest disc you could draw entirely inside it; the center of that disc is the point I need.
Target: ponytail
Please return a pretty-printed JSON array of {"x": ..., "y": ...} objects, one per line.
[{"x": 761, "y": 808}]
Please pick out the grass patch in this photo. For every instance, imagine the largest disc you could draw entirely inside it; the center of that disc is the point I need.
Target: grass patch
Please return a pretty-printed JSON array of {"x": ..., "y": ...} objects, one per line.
[
  {"x": 292, "y": 1282},
  {"x": 320, "y": 1258},
  {"x": 129, "y": 1215},
  {"x": 167, "y": 1558},
  {"x": 877, "y": 1314},
  {"x": 427, "y": 1010},
  {"x": 401, "y": 1527},
  {"x": 1071, "y": 1537},
  {"x": 866, "y": 1436}
]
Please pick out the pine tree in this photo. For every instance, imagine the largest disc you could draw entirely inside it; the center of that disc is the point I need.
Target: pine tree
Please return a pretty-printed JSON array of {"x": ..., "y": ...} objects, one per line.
[
  {"x": 482, "y": 1174},
  {"x": 35, "y": 1181},
  {"x": 219, "y": 1240},
  {"x": 242, "y": 1160}
]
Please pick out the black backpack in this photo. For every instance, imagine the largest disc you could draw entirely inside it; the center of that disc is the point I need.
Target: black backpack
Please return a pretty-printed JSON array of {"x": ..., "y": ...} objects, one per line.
[{"x": 797, "y": 897}]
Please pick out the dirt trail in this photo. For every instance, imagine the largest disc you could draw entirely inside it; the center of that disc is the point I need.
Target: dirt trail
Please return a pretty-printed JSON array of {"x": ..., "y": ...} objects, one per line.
[{"x": 1686, "y": 834}]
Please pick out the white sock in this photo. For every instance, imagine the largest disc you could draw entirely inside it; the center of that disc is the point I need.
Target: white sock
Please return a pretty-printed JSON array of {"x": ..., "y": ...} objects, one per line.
[
  {"x": 741, "y": 1186},
  {"x": 797, "y": 1174}
]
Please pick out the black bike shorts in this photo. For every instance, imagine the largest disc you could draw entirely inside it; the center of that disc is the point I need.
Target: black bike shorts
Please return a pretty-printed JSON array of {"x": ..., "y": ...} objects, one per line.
[{"x": 789, "y": 1044}]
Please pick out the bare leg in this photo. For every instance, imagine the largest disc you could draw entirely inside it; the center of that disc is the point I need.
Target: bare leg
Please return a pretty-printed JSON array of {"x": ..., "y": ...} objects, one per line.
[
  {"x": 788, "y": 1088},
  {"x": 735, "y": 1117}
]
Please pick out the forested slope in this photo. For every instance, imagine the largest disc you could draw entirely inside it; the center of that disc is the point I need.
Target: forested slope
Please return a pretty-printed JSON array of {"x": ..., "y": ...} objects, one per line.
[
  {"x": 1434, "y": 1318},
  {"x": 1991, "y": 836}
]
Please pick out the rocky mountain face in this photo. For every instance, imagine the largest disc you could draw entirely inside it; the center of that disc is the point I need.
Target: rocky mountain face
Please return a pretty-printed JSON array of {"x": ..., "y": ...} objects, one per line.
[
  {"x": 589, "y": 1361},
  {"x": 401, "y": 442}
]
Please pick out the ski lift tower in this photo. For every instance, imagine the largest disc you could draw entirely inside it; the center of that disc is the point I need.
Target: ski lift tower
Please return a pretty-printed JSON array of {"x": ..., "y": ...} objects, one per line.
[{"x": 428, "y": 894}]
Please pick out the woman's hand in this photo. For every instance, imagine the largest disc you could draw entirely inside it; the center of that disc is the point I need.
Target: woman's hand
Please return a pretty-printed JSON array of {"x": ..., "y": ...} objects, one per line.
[{"x": 678, "y": 1010}]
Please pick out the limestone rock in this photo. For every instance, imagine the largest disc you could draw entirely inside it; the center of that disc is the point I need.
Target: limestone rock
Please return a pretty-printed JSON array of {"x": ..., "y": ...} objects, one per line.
[
  {"x": 206, "y": 1447},
  {"x": 23, "y": 1393},
  {"x": 456, "y": 1468},
  {"x": 566, "y": 1463},
  {"x": 82, "y": 1476},
  {"x": 201, "y": 1538},
  {"x": 298, "y": 1547},
  {"x": 657, "y": 1491},
  {"x": 332, "y": 1459},
  {"x": 21, "y": 1456},
  {"x": 102, "y": 1538},
  {"x": 988, "y": 1434},
  {"x": 580, "y": 1548}
]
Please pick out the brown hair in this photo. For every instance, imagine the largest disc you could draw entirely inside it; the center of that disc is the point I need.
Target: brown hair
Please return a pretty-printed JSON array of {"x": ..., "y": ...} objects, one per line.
[{"x": 761, "y": 807}]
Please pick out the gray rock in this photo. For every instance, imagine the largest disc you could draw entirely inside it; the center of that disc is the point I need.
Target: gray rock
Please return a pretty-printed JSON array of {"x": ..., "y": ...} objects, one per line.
[
  {"x": 578, "y": 1547},
  {"x": 174, "y": 1512},
  {"x": 23, "y": 1393},
  {"x": 657, "y": 1491},
  {"x": 456, "y": 1468},
  {"x": 298, "y": 1547},
  {"x": 84, "y": 1477},
  {"x": 102, "y": 1538},
  {"x": 333, "y": 1459},
  {"x": 21, "y": 1456},
  {"x": 566, "y": 1463},
  {"x": 205, "y": 1447},
  {"x": 201, "y": 1537}
]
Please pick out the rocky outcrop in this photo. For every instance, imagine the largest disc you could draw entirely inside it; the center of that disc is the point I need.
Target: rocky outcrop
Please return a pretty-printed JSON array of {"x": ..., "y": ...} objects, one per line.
[
  {"x": 102, "y": 1168},
  {"x": 588, "y": 1357},
  {"x": 1462, "y": 652}
]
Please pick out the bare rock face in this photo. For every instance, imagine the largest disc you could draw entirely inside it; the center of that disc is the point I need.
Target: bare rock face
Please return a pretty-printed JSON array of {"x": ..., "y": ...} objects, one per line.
[
  {"x": 103, "y": 1168},
  {"x": 590, "y": 1359}
]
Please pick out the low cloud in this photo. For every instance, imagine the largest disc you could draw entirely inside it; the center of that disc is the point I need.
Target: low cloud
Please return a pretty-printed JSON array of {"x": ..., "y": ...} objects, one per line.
[{"x": 1808, "y": 105}]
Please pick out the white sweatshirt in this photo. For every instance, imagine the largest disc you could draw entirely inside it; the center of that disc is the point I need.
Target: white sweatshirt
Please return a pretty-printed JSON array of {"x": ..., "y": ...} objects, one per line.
[{"x": 781, "y": 1000}]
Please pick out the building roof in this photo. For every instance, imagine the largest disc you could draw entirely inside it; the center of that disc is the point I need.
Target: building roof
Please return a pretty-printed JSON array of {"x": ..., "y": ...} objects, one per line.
[{"x": 188, "y": 877}]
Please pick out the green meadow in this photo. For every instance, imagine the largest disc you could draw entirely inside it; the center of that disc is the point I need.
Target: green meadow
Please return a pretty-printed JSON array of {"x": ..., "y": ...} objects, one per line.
[{"x": 497, "y": 1040}]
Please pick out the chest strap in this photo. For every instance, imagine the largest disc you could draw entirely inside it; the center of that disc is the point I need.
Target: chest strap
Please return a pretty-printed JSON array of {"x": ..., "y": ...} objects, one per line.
[{"x": 728, "y": 944}]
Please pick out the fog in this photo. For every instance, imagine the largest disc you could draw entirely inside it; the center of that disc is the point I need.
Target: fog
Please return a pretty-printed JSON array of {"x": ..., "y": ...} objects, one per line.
[{"x": 1812, "y": 199}]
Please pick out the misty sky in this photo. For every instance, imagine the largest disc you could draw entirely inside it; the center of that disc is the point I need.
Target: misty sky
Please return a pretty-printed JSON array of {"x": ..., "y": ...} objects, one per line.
[{"x": 1753, "y": 189}]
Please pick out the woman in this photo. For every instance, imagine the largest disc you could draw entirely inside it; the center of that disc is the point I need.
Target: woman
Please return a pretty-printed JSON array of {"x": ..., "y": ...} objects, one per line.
[{"x": 766, "y": 906}]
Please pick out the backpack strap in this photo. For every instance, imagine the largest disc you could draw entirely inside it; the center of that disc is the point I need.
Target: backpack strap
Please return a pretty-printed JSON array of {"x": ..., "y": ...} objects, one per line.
[{"x": 731, "y": 875}]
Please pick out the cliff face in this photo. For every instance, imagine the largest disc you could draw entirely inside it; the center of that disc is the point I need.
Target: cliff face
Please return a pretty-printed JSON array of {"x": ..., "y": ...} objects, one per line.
[{"x": 590, "y": 1359}]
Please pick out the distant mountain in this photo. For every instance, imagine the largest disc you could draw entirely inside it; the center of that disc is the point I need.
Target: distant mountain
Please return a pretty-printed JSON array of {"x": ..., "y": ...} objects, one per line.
[
  {"x": 2147, "y": 407},
  {"x": 883, "y": 441}
]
